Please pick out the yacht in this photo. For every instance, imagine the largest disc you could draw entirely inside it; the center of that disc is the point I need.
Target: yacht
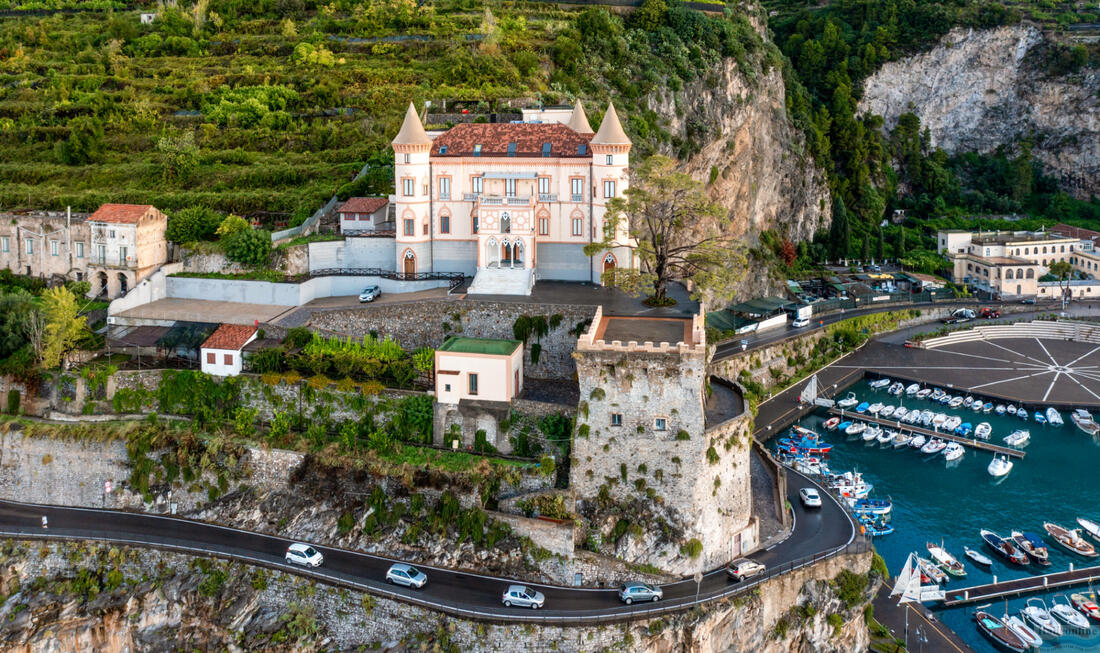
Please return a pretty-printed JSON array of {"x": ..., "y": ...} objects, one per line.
[
  {"x": 1037, "y": 614},
  {"x": 999, "y": 466},
  {"x": 849, "y": 484},
  {"x": 1084, "y": 421},
  {"x": 848, "y": 401},
  {"x": 1040, "y": 418},
  {"x": 1067, "y": 614}
]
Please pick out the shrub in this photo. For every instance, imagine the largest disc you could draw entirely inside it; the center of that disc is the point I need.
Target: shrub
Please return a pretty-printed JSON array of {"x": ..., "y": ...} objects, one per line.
[
  {"x": 13, "y": 402},
  {"x": 682, "y": 435},
  {"x": 837, "y": 622},
  {"x": 251, "y": 247},
  {"x": 692, "y": 548},
  {"x": 712, "y": 456},
  {"x": 298, "y": 337},
  {"x": 547, "y": 466},
  {"x": 345, "y": 523},
  {"x": 192, "y": 224}
]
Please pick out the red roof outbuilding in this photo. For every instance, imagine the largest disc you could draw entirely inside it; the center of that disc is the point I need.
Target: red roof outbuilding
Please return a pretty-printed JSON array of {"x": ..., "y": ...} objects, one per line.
[
  {"x": 363, "y": 205},
  {"x": 229, "y": 336},
  {"x": 123, "y": 213}
]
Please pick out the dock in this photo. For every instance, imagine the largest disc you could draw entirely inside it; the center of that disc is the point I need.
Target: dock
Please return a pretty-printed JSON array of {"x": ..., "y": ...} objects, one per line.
[
  {"x": 901, "y": 426},
  {"x": 1019, "y": 586}
]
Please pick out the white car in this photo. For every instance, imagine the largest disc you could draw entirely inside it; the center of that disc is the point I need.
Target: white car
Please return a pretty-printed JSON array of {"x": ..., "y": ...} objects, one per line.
[
  {"x": 407, "y": 575},
  {"x": 743, "y": 568},
  {"x": 523, "y": 596},
  {"x": 800, "y": 322},
  {"x": 369, "y": 294},
  {"x": 810, "y": 497},
  {"x": 304, "y": 554}
]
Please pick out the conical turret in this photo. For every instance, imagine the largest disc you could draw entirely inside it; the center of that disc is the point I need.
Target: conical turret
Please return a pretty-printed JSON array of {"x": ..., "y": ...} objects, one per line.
[
  {"x": 611, "y": 130},
  {"x": 412, "y": 130},
  {"x": 578, "y": 122}
]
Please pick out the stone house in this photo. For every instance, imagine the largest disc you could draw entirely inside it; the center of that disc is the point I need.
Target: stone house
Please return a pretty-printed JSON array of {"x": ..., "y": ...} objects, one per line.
[
  {"x": 364, "y": 214},
  {"x": 476, "y": 380},
  {"x": 45, "y": 244},
  {"x": 220, "y": 354}
]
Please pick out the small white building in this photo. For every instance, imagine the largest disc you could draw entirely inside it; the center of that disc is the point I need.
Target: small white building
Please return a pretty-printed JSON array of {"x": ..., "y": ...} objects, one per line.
[
  {"x": 147, "y": 19},
  {"x": 480, "y": 369},
  {"x": 221, "y": 352},
  {"x": 363, "y": 214}
]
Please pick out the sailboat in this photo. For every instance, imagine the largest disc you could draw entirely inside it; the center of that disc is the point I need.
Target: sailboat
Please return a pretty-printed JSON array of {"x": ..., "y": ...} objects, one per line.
[{"x": 910, "y": 585}]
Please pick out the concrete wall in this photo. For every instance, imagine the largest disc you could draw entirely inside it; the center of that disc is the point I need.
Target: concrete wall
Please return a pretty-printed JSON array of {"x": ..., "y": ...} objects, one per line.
[
  {"x": 456, "y": 256},
  {"x": 563, "y": 262},
  {"x": 151, "y": 289},
  {"x": 287, "y": 294},
  {"x": 369, "y": 253},
  {"x": 552, "y": 536}
]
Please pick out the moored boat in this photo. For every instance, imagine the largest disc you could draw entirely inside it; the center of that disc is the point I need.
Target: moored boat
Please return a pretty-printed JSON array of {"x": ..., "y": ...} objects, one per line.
[
  {"x": 912, "y": 389},
  {"x": 1037, "y": 614},
  {"x": 897, "y": 388},
  {"x": 998, "y": 632},
  {"x": 952, "y": 423},
  {"x": 945, "y": 560},
  {"x": 1004, "y": 548},
  {"x": 938, "y": 419},
  {"x": 900, "y": 412},
  {"x": 848, "y": 401},
  {"x": 875, "y": 526},
  {"x": 982, "y": 431},
  {"x": 881, "y": 383},
  {"x": 988, "y": 408},
  {"x": 1018, "y": 438},
  {"x": 1054, "y": 418},
  {"x": 918, "y": 441},
  {"x": 929, "y": 569},
  {"x": 862, "y": 407},
  {"x": 871, "y": 433},
  {"x": 849, "y": 484},
  {"x": 1011, "y": 409},
  {"x": 831, "y": 423},
  {"x": 887, "y": 411},
  {"x": 887, "y": 436},
  {"x": 868, "y": 506},
  {"x": 1065, "y": 612},
  {"x": 1084, "y": 421},
  {"x": 926, "y": 417},
  {"x": 1000, "y": 409},
  {"x": 933, "y": 446},
  {"x": 1040, "y": 418},
  {"x": 953, "y": 451},
  {"x": 1090, "y": 527},
  {"x": 923, "y": 393},
  {"x": 1070, "y": 540},
  {"x": 1033, "y": 546},
  {"x": 999, "y": 466},
  {"x": 855, "y": 428},
  {"x": 1023, "y": 631},
  {"x": 977, "y": 557},
  {"x": 875, "y": 408},
  {"x": 1022, "y": 414},
  {"x": 937, "y": 394},
  {"x": 977, "y": 406},
  {"x": 964, "y": 429},
  {"x": 968, "y": 402},
  {"x": 1086, "y": 605},
  {"x": 902, "y": 440}
]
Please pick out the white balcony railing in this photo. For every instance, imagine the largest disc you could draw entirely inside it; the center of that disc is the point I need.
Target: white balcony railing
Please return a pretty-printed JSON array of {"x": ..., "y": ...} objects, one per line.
[{"x": 548, "y": 197}]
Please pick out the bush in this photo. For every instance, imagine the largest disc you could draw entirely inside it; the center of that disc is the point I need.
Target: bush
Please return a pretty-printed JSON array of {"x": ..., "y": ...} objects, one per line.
[
  {"x": 298, "y": 337},
  {"x": 13, "y": 402},
  {"x": 193, "y": 224},
  {"x": 692, "y": 548},
  {"x": 251, "y": 247}
]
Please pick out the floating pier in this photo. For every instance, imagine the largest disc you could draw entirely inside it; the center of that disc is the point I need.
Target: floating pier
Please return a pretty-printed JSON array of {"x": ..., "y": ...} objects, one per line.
[
  {"x": 951, "y": 437},
  {"x": 1019, "y": 586}
]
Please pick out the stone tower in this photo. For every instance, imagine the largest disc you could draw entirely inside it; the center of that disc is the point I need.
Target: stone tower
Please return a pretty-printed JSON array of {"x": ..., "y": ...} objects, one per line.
[
  {"x": 411, "y": 149},
  {"x": 656, "y": 466}
]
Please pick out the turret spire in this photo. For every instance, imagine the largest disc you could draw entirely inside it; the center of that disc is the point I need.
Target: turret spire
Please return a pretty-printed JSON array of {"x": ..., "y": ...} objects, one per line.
[
  {"x": 578, "y": 122},
  {"x": 611, "y": 130},
  {"x": 412, "y": 130}
]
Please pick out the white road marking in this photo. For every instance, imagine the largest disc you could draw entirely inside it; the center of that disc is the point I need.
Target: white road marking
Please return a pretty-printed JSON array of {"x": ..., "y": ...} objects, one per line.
[
  {"x": 1011, "y": 351},
  {"x": 1090, "y": 352},
  {"x": 1017, "y": 378},
  {"x": 1040, "y": 343},
  {"x": 1051, "y": 386}
]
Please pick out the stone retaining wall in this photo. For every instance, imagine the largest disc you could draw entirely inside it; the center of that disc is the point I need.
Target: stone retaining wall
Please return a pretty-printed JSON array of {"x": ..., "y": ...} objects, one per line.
[{"x": 552, "y": 536}]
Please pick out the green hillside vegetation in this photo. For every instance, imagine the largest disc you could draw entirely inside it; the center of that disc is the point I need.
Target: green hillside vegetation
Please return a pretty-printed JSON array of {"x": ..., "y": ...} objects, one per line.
[{"x": 265, "y": 109}]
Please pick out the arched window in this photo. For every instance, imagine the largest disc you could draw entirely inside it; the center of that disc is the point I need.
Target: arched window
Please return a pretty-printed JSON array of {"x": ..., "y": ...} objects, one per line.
[
  {"x": 1063, "y": 248},
  {"x": 1027, "y": 251},
  {"x": 1008, "y": 273},
  {"x": 1031, "y": 273},
  {"x": 505, "y": 223},
  {"x": 1044, "y": 249}
]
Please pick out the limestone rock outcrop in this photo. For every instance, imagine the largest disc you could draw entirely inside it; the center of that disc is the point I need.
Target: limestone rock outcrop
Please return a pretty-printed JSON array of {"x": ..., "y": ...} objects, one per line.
[{"x": 980, "y": 89}]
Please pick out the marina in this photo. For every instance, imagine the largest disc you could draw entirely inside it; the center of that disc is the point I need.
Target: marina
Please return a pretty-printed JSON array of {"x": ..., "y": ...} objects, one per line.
[
  {"x": 931, "y": 433},
  {"x": 1022, "y": 586}
]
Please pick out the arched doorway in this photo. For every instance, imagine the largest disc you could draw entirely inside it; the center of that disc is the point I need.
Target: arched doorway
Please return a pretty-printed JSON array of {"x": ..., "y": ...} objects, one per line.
[
  {"x": 123, "y": 285},
  {"x": 609, "y": 262},
  {"x": 506, "y": 252},
  {"x": 409, "y": 262},
  {"x": 491, "y": 252},
  {"x": 517, "y": 253},
  {"x": 101, "y": 283}
]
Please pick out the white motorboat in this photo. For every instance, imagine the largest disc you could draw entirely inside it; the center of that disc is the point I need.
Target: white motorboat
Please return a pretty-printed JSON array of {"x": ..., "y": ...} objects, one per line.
[
  {"x": 902, "y": 439},
  {"x": 1023, "y": 631},
  {"x": 897, "y": 388},
  {"x": 1090, "y": 527},
  {"x": 977, "y": 556},
  {"x": 923, "y": 393},
  {"x": 1084, "y": 421},
  {"x": 1011, "y": 410},
  {"x": 1018, "y": 438},
  {"x": 887, "y": 411},
  {"x": 856, "y": 428},
  {"x": 953, "y": 451},
  {"x": 871, "y": 433},
  {"x": 875, "y": 408},
  {"x": 913, "y": 389},
  {"x": 1037, "y": 614},
  {"x": 1067, "y": 614},
  {"x": 955, "y": 402},
  {"x": 1054, "y": 418},
  {"x": 999, "y": 466},
  {"x": 887, "y": 436},
  {"x": 982, "y": 431},
  {"x": 988, "y": 407},
  {"x": 900, "y": 412},
  {"x": 952, "y": 423},
  {"x": 937, "y": 394},
  {"x": 1000, "y": 409},
  {"x": 926, "y": 417},
  {"x": 977, "y": 406},
  {"x": 945, "y": 560},
  {"x": 848, "y": 401},
  {"x": 881, "y": 383},
  {"x": 929, "y": 569},
  {"x": 912, "y": 417},
  {"x": 938, "y": 419},
  {"x": 933, "y": 446},
  {"x": 849, "y": 484},
  {"x": 968, "y": 402},
  {"x": 917, "y": 442}
]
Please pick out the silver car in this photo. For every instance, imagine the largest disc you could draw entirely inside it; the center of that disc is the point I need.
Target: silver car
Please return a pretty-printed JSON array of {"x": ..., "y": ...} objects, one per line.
[
  {"x": 810, "y": 497},
  {"x": 407, "y": 575},
  {"x": 523, "y": 596},
  {"x": 370, "y": 293},
  {"x": 631, "y": 592}
]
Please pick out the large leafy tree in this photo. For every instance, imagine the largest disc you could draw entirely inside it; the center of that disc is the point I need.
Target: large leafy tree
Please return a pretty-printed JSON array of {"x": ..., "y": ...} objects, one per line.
[
  {"x": 62, "y": 326},
  {"x": 16, "y": 310},
  {"x": 1063, "y": 270},
  {"x": 676, "y": 232},
  {"x": 192, "y": 224}
]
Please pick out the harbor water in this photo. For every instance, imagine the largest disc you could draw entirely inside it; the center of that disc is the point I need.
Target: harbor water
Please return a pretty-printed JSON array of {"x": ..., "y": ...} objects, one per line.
[{"x": 950, "y": 502}]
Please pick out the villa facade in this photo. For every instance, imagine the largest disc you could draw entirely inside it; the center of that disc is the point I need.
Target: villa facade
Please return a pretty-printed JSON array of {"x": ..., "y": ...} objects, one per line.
[{"x": 509, "y": 203}]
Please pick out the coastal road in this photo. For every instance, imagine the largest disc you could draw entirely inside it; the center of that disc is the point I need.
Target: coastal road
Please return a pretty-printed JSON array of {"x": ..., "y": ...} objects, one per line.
[{"x": 817, "y": 534}]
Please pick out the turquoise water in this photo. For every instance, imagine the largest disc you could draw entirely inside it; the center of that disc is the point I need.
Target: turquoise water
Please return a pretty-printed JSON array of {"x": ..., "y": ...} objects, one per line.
[{"x": 934, "y": 500}]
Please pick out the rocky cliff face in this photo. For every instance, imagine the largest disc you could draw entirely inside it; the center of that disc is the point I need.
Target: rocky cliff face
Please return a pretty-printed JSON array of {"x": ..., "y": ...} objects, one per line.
[{"x": 979, "y": 89}]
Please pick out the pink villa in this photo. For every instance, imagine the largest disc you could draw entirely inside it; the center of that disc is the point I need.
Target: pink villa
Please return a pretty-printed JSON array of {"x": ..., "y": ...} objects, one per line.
[{"x": 509, "y": 203}]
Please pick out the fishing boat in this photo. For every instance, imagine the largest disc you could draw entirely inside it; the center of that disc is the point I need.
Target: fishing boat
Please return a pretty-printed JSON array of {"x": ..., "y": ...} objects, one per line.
[
  {"x": 886, "y": 411},
  {"x": 1040, "y": 418},
  {"x": 999, "y": 466},
  {"x": 871, "y": 433},
  {"x": 964, "y": 429},
  {"x": 988, "y": 408},
  {"x": 1085, "y": 605},
  {"x": 831, "y": 423},
  {"x": 1011, "y": 409},
  {"x": 1037, "y": 614},
  {"x": 953, "y": 451},
  {"x": 1000, "y": 409},
  {"x": 848, "y": 401},
  {"x": 937, "y": 394},
  {"x": 1018, "y": 438},
  {"x": 881, "y": 383},
  {"x": 938, "y": 420},
  {"x": 805, "y": 446},
  {"x": 1090, "y": 527},
  {"x": 902, "y": 440},
  {"x": 1065, "y": 612},
  {"x": 1033, "y": 546},
  {"x": 933, "y": 446},
  {"x": 998, "y": 632},
  {"x": 945, "y": 560},
  {"x": 1084, "y": 421},
  {"x": 917, "y": 442},
  {"x": 929, "y": 569},
  {"x": 982, "y": 431},
  {"x": 923, "y": 393},
  {"x": 887, "y": 436},
  {"x": 968, "y": 402},
  {"x": 912, "y": 389},
  {"x": 977, "y": 557},
  {"x": 862, "y": 407},
  {"x": 1023, "y": 631},
  {"x": 1070, "y": 540},
  {"x": 855, "y": 428},
  {"x": 875, "y": 526},
  {"x": 868, "y": 506},
  {"x": 849, "y": 484},
  {"x": 897, "y": 388},
  {"x": 875, "y": 408},
  {"x": 1054, "y": 418},
  {"x": 1004, "y": 548}
]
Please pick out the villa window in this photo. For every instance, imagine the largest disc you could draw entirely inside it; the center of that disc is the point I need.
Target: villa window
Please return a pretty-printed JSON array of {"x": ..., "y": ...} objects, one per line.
[
  {"x": 424, "y": 228},
  {"x": 610, "y": 160},
  {"x": 54, "y": 248},
  {"x": 1044, "y": 250},
  {"x": 444, "y": 224},
  {"x": 477, "y": 149},
  {"x": 544, "y": 185},
  {"x": 544, "y": 226},
  {"x": 408, "y": 187},
  {"x": 608, "y": 189},
  {"x": 30, "y": 245},
  {"x": 616, "y": 419},
  {"x": 80, "y": 250},
  {"x": 5, "y": 245},
  {"x": 408, "y": 159},
  {"x": 577, "y": 188},
  {"x": 473, "y": 383},
  {"x": 473, "y": 224},
  {"x": 510, "y": 187},
  {"x": 578, "y": 226},
  {"x": 410, "y": 227},
  {"x": 477, "y": 182},
  {"x": 444, "y": 188},
  {"x": 660, "y": 424}
]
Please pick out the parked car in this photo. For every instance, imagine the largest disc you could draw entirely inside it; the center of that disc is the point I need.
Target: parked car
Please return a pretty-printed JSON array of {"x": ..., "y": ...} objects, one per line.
[
  {"x": 304, "y": 554},
  {"x": 743, "y": 568},
  {"x": 800, "y": 322},
  {"x": 634, "y": 591},
  {"x": 810, "y": 497},
  {"x": 988, "y": 313},
  {"x": 959, "y": 315},
  {"x": 1029, "y": 300},
  {"x": 370, "y": 293},
  {"x": 523, "y": 596},
  {"x": 407, "y": 575}
]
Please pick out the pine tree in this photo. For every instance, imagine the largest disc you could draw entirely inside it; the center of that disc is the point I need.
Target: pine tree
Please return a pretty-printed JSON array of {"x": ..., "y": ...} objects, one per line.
[
  {"x": 839, "y": 232},
  {"x": 899, "y": 244},
  {"x": 880, "y": 246}
]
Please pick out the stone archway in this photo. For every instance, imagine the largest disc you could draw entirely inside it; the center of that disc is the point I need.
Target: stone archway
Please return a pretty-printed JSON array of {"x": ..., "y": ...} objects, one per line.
[
  {"x": 101, "y": 283},
  {"x": 123, "y": 284}
]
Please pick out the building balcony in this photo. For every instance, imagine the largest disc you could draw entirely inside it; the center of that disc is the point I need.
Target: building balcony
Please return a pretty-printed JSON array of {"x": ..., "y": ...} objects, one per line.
[
  {"x": 576, "y": 198},
  {"x": 548, "y": 197}
]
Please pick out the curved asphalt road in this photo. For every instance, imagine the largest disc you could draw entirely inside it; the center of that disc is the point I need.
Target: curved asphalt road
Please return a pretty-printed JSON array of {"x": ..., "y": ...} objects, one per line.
[{"x": 817, "y": 534}]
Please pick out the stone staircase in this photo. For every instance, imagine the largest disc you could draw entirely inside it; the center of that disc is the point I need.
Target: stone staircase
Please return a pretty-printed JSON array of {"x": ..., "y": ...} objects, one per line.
[{"x": 503, "y": 281}]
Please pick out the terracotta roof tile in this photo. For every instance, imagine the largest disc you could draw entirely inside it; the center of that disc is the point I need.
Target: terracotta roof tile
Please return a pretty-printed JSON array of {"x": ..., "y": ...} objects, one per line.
[
  {"x": 363, "y": 204},
  {"x": 495, "y": 137},
  {"x": 126, "y": 213},
  {"x": 229, "y": 336},
  {"x": 1075, "y": 232}
]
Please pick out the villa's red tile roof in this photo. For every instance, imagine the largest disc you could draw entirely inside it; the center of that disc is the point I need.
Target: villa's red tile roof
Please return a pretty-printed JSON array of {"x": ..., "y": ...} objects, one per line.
[
  {"x": 1075, "y": 232},
  {"x": 494, "y": 139},
  {"x": 229, "y": 336},
  {"x": 125, "y": 213},
  {"x": 363, "y": 204}
]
